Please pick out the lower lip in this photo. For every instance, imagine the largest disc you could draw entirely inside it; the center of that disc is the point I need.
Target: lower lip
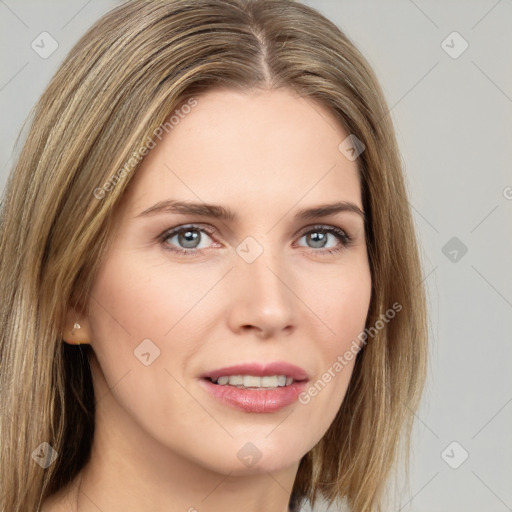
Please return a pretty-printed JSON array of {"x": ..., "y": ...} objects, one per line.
[{"x": 256, "y": 400}]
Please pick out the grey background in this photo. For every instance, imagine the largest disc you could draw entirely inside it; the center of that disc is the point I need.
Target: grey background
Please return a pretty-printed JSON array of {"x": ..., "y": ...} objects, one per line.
[{"x": 453, "y": 118}]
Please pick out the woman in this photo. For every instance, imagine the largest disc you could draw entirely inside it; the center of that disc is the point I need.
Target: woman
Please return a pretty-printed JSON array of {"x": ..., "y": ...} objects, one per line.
[{"x": 211, "y": 287}]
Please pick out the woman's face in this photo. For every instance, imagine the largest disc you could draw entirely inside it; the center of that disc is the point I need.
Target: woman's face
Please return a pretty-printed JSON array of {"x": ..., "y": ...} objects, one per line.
[{"x": 262, "y": 292}]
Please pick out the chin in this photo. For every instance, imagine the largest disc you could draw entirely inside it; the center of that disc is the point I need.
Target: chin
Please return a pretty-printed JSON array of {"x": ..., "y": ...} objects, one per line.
[{"x": 244, "y": 456}]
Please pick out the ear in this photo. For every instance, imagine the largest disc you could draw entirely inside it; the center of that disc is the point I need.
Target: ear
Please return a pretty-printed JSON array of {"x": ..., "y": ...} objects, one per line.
[{"x": 77, "y": 330}]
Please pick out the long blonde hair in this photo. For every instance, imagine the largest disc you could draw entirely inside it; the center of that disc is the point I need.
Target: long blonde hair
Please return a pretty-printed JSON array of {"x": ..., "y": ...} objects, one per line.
[{"x": 121, "y": 81}]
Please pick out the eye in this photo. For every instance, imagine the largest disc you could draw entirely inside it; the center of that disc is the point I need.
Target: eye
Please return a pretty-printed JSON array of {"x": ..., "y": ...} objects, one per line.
[
  {"x": 318, "y": 236},
  {"x": 188, "y": 238}
]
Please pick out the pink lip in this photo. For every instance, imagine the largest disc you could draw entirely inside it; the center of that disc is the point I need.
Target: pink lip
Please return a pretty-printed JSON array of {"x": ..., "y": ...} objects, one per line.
[{"x": 252, "y": 400}]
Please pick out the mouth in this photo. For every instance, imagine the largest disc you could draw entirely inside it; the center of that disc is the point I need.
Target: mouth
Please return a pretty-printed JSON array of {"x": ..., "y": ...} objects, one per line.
[
  {"x": 256, "y": 387},
  {"x": 257, "y": 375}
]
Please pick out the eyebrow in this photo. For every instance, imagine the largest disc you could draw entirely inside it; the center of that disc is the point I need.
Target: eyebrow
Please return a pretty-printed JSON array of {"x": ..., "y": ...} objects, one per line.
[{"x": 222, "y": 213}]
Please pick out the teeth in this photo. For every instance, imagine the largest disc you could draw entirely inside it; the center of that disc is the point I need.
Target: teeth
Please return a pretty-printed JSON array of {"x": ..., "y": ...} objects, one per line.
[
  {"x": 253, "y": 381},
  {"x": 236, "y": 380},
  {"x": 269, "y": 382}
]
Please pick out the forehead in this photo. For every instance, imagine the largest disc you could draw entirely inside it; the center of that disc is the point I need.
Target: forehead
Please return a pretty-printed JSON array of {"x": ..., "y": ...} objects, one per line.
[{"x": 249, "y": 148}]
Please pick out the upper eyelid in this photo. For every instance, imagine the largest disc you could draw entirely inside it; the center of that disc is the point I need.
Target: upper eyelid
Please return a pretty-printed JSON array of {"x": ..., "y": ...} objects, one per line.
[{"x": 210, "y": 229}]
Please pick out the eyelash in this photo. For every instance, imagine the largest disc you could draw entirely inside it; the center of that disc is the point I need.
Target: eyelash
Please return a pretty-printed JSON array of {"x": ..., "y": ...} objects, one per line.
[{"x": 342, "y": 236}]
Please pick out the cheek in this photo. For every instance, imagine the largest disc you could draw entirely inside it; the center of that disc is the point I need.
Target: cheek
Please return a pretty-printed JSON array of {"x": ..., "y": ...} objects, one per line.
[
  {"x": 148, "y": 320},
  {"x": 133, "y": 301},
  {"x": 339, "y": 297},
  {"x": 341, "y": 302},
  {"x": 133, "y": 298},
  {"x": 140, "y": 318}
]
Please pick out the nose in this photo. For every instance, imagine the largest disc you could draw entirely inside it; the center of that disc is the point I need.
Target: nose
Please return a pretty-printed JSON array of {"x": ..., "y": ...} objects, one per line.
[{"x": 261, "y": 297}]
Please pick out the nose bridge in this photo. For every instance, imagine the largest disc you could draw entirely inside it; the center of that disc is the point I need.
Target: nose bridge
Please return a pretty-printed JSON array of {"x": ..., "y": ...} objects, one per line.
[
  {"x": 262, "y": 295},
  {"x": 265, "y": 271}
]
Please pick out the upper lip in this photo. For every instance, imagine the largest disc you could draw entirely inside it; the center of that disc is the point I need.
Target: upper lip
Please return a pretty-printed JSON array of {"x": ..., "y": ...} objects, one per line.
[{"x": 260, "y": 370}]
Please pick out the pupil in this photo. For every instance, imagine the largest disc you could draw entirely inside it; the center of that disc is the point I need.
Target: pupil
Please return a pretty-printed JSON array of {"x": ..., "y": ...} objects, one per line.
[
  {"x": 189, "y": 238},
  {"x": 318, "y": 238}
]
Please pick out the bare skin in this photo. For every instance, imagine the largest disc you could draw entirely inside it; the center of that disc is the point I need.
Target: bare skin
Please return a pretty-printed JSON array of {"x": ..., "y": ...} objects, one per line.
[{"x": 162, "y": 442}]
